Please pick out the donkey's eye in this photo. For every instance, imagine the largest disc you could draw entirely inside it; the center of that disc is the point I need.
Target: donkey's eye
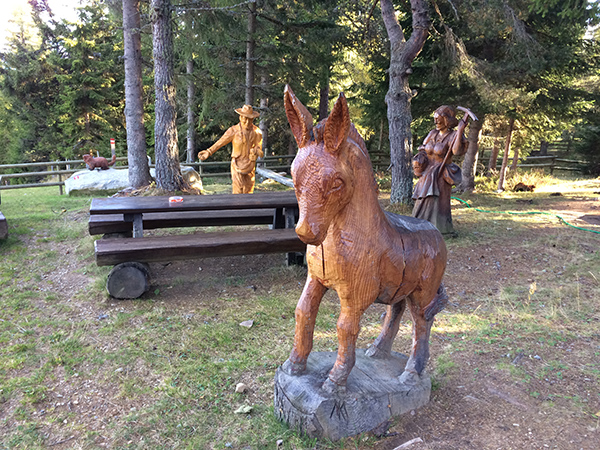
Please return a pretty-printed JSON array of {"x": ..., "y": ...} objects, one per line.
[{"x": 337, "y": 184}]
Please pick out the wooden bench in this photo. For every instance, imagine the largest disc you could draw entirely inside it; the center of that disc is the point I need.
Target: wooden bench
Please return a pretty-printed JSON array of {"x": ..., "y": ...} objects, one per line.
[
  {"x": 130, "y": 276},
  {"x": 3, "y": 225},
  {"x": 116, "y": 223}
]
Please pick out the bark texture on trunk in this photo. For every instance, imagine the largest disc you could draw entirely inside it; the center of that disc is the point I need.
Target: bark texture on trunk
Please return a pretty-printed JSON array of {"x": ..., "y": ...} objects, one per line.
[
  {"x": 191, "y": 113},
  {"x": 493, "y": 161},
  {"x": 137, "y": 156},
  {"x": 250, "y": 47},
  {"x": 511, "y": 125},
  {"x": 264, "y": 106},
  {"x": 324, "y": 100},
  {"x": 168, "y": 170},
  {"x": 399, "y": 95},
  {"x": 515, "y": 160},
  {"x": 469, "y": 166}
]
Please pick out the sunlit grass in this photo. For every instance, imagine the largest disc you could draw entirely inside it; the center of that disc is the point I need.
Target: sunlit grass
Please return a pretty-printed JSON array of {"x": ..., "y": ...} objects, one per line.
[{"x": 168, "y": 371}]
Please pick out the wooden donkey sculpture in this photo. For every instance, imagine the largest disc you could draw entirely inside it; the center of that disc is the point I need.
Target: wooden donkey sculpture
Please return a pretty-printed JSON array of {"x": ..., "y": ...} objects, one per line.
[{"x": 366, "y": 254}]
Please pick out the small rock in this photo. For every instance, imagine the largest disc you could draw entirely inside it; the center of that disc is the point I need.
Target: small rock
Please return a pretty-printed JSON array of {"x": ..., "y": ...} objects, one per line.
[
  {"x": 279, "y": 442},
  {"x": 244, "y": 409},
  {"x": 247, "y": 323},
  {"x": 240, "y": 388}
]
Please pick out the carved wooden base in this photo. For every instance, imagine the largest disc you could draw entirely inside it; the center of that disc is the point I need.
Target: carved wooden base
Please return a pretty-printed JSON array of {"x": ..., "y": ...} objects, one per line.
[{"x": 374, "y": 395}]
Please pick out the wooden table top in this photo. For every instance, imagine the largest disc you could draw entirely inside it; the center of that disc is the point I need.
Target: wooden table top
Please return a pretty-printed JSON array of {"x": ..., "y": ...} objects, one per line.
[{"x": 136, "y": 205}]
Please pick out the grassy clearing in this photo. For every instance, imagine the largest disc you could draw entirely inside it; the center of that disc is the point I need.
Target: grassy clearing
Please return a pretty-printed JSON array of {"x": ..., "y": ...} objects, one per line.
[{"x": 80, "y": 370}]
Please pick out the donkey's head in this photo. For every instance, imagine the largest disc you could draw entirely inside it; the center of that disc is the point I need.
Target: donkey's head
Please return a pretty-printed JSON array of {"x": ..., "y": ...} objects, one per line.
[{"x": 323, "y": 176}]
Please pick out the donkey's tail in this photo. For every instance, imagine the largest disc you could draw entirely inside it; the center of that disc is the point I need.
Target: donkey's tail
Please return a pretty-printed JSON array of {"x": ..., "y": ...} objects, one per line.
[{"x": 437, "y": 304}]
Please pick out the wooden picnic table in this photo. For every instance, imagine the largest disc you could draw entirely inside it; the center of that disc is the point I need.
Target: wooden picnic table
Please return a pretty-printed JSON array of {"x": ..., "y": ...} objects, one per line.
[
  {"x": 134, "y": 208},
  {"x": 129, "y": 278}
]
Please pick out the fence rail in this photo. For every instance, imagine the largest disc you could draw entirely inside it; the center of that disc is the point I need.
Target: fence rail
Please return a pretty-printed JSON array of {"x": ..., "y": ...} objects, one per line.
[{"x": 205, "y": 169}]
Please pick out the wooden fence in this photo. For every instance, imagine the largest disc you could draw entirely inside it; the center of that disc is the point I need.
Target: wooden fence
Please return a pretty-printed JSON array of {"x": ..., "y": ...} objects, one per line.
[
  {"x": 53, "y": 169},
  {"x": 381, "y": 162}
]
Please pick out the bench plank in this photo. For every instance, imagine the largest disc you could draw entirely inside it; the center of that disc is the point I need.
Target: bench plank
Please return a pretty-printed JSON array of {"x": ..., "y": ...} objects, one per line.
[
  {"x": 133, "y": 205},
  {"x": 206, "y": 245},
  {"x": 115, "y": 223}
]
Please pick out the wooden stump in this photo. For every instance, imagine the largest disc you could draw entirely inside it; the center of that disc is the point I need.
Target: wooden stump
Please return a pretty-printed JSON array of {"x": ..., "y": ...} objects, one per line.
[
  {"x": 3, "y": 227},
  {"x": 128, "y": 280},
  {"x": 374, "y": 395}
]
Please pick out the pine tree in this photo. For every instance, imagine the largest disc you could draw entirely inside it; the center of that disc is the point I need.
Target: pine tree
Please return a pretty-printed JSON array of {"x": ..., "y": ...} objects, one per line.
[
  {"x": 139, "y": 173},
  {"x": 168, "y": 170}
]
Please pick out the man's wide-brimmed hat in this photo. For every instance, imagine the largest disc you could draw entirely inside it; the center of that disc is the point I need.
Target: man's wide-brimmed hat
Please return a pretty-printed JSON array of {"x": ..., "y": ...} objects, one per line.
[{"x": 247, "y": 111}]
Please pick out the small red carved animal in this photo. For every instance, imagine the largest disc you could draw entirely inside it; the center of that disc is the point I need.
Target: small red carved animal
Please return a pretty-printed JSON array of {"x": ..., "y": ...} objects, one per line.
[{"x": 98, "y": 162}]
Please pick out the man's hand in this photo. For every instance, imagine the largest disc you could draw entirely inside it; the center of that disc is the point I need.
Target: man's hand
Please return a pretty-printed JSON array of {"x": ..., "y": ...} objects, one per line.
[{"x": 203, "y": 155}]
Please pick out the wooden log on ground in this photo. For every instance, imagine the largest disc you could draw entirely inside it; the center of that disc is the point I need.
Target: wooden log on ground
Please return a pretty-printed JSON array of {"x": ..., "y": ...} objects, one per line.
[{"x": 274, "y": 176}]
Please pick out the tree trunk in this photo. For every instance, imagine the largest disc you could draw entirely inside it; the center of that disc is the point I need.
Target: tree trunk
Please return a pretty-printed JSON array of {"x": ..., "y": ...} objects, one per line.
[
  {"x": 469, "y": 166},
  {"x": 380, "y": 143},
  {"x": 191, "y": 116},
  {"x": 513, "y": 166},
  {"x": 168, "y": 170},
  {"x": 250, "y": 46},
  {"x": 511, "y": 124},
  {"x": 264, "y": 106},
  {"x": 399, "y": 95},
  {"x": 137, "y": 156},
  {"x": 324, "y": 99},
  {"x": 493, "y": 161}
]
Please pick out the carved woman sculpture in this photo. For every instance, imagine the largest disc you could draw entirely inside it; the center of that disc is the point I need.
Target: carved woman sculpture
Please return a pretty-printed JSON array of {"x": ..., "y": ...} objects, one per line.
[
  {"x": 435, "y": 170},
  {"x": 246, "y": 140}
]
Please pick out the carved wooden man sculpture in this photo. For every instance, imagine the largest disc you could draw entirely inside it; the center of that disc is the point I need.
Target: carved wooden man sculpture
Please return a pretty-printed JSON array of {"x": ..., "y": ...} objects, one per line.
[
  {"x": 366, "y": 254},
  {"x": 246, "y": 139}
]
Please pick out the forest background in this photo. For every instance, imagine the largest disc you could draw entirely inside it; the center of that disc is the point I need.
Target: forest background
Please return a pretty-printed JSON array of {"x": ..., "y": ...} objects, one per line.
[{"x": 529, "y": 69}]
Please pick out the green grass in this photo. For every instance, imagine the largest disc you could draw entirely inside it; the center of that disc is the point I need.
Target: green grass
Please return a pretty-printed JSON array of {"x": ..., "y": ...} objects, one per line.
[{"x": 157, "y": 373}]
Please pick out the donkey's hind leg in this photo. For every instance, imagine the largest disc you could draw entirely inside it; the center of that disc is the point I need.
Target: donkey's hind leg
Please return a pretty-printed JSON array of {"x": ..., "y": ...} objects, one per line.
[
  {"x": 422, "y": 323},
  {"x": 382, "y": 347}
]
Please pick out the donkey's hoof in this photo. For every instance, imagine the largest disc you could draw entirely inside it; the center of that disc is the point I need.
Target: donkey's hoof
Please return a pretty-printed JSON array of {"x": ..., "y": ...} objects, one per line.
[
  {"x": 332, "y": 388},
  {"x": 375, "y": 352},
  {"x": 292, "y": 368},
  {"x": 409, "y": 378}
]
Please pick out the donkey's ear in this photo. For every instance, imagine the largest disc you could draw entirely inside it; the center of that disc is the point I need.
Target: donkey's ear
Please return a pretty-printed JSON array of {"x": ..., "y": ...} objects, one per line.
[
  {"x": 337, "y": 126},
  {"x": 301, "y": 121}
]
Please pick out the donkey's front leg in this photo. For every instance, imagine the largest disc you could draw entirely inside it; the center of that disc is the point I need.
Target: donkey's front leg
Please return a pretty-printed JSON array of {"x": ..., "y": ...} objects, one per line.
[
  {"x": 348, "y": 326},
  {"x": 306, "y": 314}
]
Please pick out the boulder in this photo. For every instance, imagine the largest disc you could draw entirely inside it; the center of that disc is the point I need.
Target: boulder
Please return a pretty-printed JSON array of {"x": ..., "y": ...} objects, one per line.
[{"x": 114, "y": 180}]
